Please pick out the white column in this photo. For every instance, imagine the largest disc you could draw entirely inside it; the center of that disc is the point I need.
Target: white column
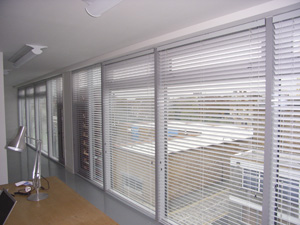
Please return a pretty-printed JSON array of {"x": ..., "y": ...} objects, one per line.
[
  {"x": 268, "y": 152},
  {"x": 3, "y": 153},
  {"x": 68, "y": 123}
]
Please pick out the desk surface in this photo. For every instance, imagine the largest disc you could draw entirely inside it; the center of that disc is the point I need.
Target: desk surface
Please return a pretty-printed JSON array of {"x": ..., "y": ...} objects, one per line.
[{"x": 63, "y": 206}]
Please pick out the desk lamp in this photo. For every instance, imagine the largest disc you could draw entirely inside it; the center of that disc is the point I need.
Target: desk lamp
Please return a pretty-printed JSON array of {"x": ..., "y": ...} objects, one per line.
[{"x": 18, "y": 144}]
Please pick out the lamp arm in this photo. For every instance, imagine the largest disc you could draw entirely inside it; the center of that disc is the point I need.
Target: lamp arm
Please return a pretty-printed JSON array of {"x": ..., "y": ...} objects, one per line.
[{"x": 36, "y": 173}]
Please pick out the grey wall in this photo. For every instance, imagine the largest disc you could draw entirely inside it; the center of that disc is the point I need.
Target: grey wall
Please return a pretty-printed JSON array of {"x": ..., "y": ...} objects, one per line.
[{"x": 3, "y": 153}]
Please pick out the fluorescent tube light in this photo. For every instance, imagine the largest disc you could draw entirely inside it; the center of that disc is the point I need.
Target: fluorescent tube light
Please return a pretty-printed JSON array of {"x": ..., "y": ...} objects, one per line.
[{"x": 25, "y": 54}]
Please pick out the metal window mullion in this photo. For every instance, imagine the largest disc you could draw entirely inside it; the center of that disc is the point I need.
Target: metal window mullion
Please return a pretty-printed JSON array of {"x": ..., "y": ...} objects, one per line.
[
  {"x": 49, "y": 116},
  {"x": 268, "y": 149},
  {"x": 159, "y": 161},
  {"x": 105, "y": 133},
  {"x": 74, "y": 125}
]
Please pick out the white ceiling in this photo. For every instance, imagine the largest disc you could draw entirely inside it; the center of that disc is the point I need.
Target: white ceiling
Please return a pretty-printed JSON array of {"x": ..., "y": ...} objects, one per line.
[{"x": 73, "y": 36}]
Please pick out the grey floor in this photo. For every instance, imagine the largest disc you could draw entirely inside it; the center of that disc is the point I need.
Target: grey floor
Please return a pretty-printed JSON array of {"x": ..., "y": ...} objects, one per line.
[{"x": 20, "y": 168}]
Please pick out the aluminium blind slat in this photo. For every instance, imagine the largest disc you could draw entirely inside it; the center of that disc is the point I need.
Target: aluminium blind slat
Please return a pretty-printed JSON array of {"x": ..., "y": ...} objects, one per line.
[
  {"x": 225, "y": 64},
  {"x": 129, "y": 101},
  {"x": 219, "y": 107},
  {"x": 214, "y": 42},
  {"x": 196, "y": 114},
  {"x": 240, "y": 136},
  {"x": 211, "y": 111},
  {"x": 213, "y": 76},
  {"x": 87, "y": 108},
  {"x": 219, "y": 57},
  {"x": 286, "y": 97},
  {"x": 226, "y": 61},
  {"x": 286, "y": 54},
  {"x": 215, "y": 72},
  {"x": 287, "y": 71},
  {"x": 234, "y": 85},
  {"x": 217, "y": 75},
  {"x": 286, "y": 128},
  {"x": 211, "y": 103}
]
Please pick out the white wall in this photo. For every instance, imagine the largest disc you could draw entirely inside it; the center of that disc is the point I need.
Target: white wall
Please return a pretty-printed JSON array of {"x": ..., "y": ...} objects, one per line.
[
  {"x": 11, "y": 111},
  {"x": 3, "y": 153}
]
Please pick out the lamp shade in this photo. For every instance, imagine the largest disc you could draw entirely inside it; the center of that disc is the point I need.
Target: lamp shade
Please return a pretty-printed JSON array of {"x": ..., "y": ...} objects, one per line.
[{"x": 18, "y": 143}]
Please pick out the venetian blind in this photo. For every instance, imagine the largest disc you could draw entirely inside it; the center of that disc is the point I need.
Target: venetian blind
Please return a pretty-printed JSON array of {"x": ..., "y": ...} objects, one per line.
[
  {"x": 87, "y": 108},
  {"x": 41, "y": 115},
  {"x": 55, "y": 118},
  {"x": 286, "y": 124},
  {"x": 30, "y": 113},
  {"x": 211, "y": 130},
  {"x": 22, "y": 107},
  {"x": 129, "y": 127}
]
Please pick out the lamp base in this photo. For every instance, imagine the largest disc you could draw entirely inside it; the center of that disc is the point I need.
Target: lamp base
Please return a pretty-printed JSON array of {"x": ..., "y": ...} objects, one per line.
[{"x": 37, "y": 197}]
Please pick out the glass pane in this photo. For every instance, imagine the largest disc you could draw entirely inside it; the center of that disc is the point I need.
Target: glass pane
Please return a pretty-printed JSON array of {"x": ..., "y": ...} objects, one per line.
[
  {"x": 212, "y": 131},
  {"x": 130, "y": 129}
]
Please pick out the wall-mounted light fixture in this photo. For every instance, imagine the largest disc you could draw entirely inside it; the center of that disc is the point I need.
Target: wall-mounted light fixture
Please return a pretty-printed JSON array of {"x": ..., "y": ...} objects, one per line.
[
  {"x": 25, "y": 54},
  {"x": 96, "y": 8}
]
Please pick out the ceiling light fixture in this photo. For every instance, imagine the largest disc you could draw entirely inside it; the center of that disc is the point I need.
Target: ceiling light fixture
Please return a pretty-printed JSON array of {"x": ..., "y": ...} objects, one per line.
[
  {"x": 25, "y": 54},
  {"x": 96, "y": 8}
]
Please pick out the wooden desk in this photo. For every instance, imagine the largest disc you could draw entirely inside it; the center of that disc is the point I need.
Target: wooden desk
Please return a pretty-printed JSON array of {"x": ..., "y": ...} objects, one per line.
[{"x": 63, "y": 206}]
